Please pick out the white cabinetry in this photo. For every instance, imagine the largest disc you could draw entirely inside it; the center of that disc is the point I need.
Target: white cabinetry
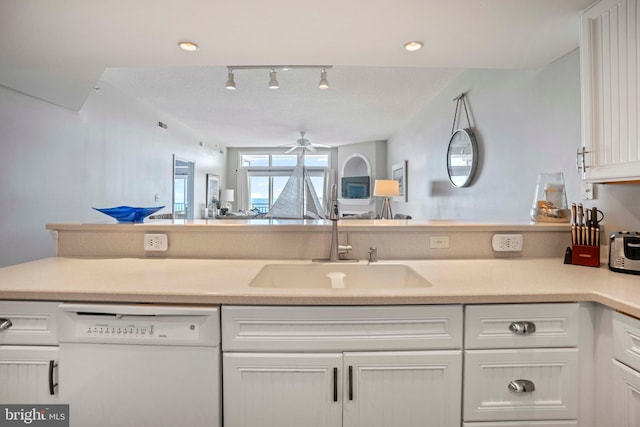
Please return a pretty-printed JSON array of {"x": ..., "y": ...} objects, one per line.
[
  {"x": 521, "y": 365},
  {"x": 402, "y": 388},
  {"x": 282, "y": 389},
  {"x": 334, "y": 366},
  {"x": 626, "y": 371},
  {"x": 610, "y": 69},
  {"x": 28, "y": 352}
]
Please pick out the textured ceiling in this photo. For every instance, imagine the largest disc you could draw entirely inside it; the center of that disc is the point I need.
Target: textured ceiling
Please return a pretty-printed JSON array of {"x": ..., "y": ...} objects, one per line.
[{"x": 58, "y": 50}]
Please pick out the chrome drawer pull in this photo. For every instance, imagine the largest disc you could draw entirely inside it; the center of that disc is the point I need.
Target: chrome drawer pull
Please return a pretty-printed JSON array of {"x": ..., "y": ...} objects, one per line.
[
  {"x": 522, "y": 386},
  {"x": 5, "y": 324},
  {"x": 522, "y": 328}
]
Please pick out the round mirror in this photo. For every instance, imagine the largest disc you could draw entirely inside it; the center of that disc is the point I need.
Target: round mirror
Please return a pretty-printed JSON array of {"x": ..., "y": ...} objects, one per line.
[{"x": 462, "y": 157}]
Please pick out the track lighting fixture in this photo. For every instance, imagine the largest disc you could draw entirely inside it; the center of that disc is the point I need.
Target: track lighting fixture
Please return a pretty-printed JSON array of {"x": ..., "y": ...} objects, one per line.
[
  {"x": 324, "y": 83},
  {"x": 273, "y": 80},
  {"x": 231, "y": 83}
]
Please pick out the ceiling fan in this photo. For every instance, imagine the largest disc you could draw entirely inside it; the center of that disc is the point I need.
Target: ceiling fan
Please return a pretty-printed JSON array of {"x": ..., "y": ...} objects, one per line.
[{"x": 304, "y": 144}]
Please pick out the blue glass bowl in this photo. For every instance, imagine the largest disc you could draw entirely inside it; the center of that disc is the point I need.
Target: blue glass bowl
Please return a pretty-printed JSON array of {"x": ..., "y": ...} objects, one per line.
[{"x": 129, "y": 213}]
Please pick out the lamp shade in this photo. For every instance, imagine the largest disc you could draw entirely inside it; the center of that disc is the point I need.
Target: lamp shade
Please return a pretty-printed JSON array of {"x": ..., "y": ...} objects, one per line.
[
  {"x": 227, "y": 195},
  {"x": 386, "y": 188}
]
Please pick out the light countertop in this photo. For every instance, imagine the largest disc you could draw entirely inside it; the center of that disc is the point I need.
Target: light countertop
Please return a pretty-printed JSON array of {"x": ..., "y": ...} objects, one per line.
[{"x": 215, "y": 281}]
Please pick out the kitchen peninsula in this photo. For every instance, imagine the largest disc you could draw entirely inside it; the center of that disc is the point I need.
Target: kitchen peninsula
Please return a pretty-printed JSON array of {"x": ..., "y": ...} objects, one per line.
[
  {"x": 279, "y": 330},
  {"x": 213, "y": 263}
]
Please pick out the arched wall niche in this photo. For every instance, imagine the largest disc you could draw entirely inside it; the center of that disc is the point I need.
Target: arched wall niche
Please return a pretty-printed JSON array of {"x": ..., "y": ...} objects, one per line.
[{"x": 356, "y": 165}]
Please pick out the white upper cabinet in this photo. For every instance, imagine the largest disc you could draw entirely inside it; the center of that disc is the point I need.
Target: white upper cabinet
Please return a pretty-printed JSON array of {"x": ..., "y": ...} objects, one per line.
[{"x": 610, "y": 66}]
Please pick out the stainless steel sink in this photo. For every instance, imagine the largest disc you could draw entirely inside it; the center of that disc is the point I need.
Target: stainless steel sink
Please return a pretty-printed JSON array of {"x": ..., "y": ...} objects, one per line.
[{"x": 339, "y": 276}]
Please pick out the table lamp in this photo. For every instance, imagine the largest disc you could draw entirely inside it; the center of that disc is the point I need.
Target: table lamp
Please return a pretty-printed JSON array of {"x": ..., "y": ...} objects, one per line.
[
  {"x": 386, "y": 188},
  {"x": 226, "y": 197}
]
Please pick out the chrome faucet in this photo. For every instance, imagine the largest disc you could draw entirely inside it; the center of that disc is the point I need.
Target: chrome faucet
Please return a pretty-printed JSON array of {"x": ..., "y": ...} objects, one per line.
[
  {"x": 334, "y": 217},
  {"x": 336, "y": 249}
]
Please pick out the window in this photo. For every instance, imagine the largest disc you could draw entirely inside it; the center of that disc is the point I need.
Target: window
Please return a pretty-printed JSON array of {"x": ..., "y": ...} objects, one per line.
[{"x": 269, "y": 172}]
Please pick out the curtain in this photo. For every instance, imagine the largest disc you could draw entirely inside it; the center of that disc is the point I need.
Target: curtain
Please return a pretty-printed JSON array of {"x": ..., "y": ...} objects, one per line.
[{"x": 242, "y": 189}]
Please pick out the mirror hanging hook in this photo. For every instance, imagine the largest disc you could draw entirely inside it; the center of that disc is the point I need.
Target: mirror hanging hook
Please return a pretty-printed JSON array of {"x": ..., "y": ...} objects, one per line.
[{"x": 460, "y": 99}]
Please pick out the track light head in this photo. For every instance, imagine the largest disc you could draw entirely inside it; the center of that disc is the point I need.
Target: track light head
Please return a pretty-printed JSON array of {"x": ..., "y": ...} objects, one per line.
[
  {"x": 231, "y": 83},
  {"x": 273, "y": 82},
  {"x": 324, "y": 83}
]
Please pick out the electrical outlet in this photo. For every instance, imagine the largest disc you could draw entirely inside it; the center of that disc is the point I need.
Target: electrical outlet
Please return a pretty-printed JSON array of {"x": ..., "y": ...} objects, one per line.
[
  {"x": 507, "y": 242},
  {"x": 587, "y": 191},
  {"x": 438, "y": 242},
  {"x": 156, "y": 242}
]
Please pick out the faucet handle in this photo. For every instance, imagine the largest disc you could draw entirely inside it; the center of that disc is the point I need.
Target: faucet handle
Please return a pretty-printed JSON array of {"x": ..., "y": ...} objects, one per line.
[{"x": 343, "y": 249}]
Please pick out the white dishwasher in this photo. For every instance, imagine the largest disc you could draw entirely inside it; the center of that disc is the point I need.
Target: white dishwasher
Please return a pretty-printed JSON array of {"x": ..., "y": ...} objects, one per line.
[{"x": 139, "y": 365}]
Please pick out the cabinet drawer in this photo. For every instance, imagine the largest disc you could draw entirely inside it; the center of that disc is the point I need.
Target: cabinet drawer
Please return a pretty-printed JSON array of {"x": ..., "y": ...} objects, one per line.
[
  {"x": 257, "y": 328},
  {"x": 567, "y": 423},
  {"x": 512, "y": 325},
  {"x": 31, "y": 322},
  {"x": 626, "y": 340},
  {"x": 553, "y": 372}
]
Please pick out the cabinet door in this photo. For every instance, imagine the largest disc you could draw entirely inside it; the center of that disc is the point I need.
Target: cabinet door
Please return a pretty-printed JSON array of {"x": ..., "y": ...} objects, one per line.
[
  {"x": 402, "y": 389},
  {"x": 282, "y": 389},
  {"x": 25, "y": 373},
  {"x": 609, "y": 49},
  {"x": 626, "y": 396}
]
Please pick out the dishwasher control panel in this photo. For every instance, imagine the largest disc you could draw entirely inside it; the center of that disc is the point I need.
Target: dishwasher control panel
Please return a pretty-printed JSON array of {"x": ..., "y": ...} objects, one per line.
[
  {"x": 166, "y": 330},
  {"x": 138, "y": 324}
]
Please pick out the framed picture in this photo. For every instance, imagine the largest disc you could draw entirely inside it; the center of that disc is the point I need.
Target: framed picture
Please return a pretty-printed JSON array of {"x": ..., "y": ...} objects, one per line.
[
  {"x": 399, "y": 173},
  {"x": 213, "y": 189}
]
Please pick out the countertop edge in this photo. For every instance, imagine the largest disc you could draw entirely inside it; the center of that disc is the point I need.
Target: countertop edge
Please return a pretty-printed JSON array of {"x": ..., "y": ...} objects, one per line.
[{"x": 262, "y": 225}]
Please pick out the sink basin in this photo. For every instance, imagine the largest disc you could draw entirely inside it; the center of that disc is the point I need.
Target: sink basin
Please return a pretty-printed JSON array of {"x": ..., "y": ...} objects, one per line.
[{"x": 339, "y": 276}]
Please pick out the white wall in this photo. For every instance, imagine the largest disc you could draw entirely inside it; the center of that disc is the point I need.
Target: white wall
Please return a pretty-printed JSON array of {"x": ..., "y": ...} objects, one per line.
[
  {"x": 55, "y": 164},
  {"x": 526, "y": 122}
]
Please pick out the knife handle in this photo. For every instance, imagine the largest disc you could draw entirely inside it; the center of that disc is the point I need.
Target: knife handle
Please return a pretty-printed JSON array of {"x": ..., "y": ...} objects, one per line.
[{"x": 580, "y": 215}]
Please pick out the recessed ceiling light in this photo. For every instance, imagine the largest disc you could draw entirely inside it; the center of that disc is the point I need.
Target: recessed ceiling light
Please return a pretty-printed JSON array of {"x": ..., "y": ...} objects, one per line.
[
  {"x": 413, "y": 46},
  {"x": 188, "y": 46}
]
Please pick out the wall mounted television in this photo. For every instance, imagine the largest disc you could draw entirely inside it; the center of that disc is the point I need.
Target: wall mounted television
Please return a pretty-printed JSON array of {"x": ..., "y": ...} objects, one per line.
[{"x": 356, "y": 187}]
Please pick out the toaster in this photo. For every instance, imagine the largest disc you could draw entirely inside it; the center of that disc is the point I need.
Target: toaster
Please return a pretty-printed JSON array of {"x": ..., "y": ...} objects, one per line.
[{"x": 624, "y": 252}]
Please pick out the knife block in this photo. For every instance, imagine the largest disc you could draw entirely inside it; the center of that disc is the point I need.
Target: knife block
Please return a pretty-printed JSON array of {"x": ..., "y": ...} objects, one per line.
[{"x": 585, "y": 255}]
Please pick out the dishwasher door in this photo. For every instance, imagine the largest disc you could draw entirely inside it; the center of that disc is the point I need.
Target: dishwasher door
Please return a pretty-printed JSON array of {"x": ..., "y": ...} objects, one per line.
[{"x": 137, "y": 366}]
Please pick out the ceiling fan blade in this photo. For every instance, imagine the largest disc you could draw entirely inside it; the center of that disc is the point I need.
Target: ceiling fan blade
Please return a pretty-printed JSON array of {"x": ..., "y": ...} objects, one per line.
[
  {"x": 291, "y": 149},
  {"x": 321, "y": 146},
  {"x": 310, "y": 148}
]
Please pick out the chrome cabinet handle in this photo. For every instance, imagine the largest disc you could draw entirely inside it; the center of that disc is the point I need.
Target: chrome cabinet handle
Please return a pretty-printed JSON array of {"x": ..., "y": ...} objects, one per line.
[
  {"x": 522, "y": 386},
  {"x": 522, "y": 328},
  {"x": 581, "y": 163},
  {"x": 578, "y": 165},
  {"x": 5, "y": 324}
]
